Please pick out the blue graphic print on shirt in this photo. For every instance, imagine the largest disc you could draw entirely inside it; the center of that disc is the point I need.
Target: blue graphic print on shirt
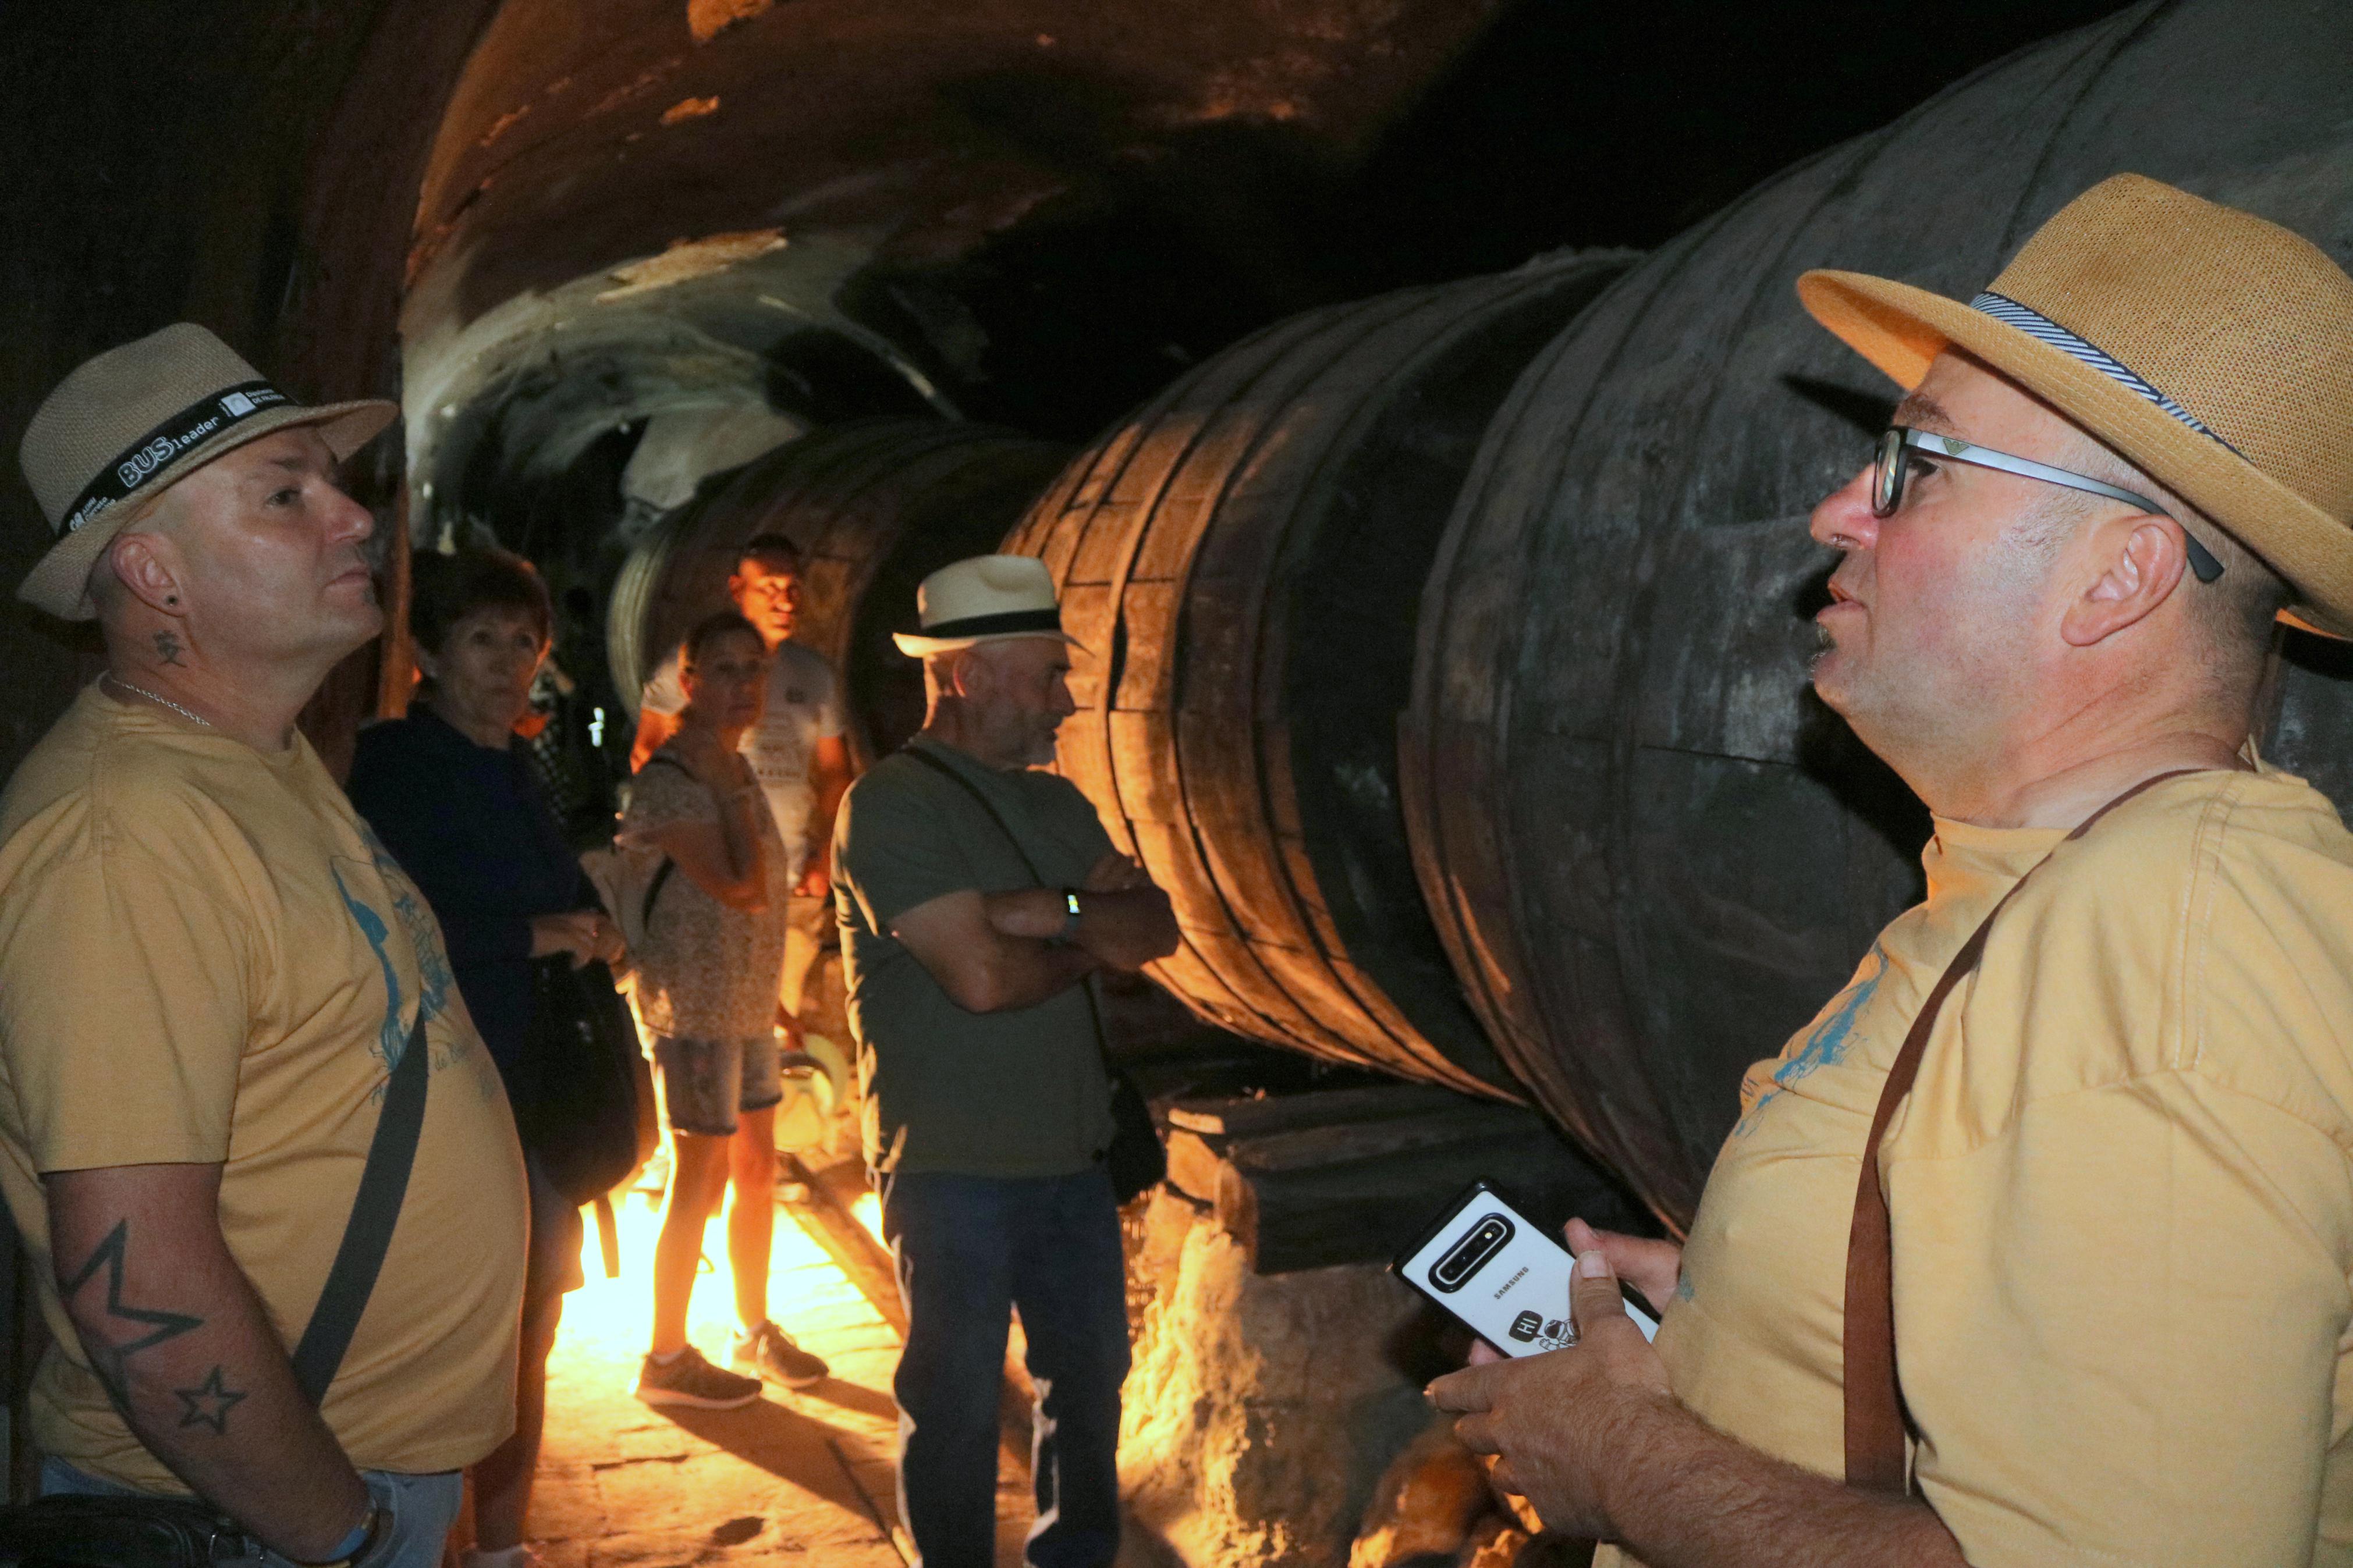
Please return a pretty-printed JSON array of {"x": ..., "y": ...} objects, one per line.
[
  {"x": 433, "y": 978},
  {"x": 1829, "y": 1043},
  {"x": 391, "y": 1038}
]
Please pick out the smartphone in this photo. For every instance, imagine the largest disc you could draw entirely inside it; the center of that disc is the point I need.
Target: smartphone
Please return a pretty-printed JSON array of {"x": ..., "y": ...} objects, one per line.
[{"x": 1501, "y": 1276}]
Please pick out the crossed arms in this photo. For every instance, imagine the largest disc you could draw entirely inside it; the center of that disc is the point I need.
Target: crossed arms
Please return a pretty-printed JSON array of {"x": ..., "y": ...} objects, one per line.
[{"x": 996, "y": 952}]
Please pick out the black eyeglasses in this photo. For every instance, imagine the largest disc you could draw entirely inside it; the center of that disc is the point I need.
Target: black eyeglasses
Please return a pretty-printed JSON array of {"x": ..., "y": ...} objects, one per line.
[{"x": 1891, "y": 466}]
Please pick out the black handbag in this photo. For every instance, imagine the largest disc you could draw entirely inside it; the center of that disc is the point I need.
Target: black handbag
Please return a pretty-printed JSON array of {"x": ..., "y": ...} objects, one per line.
[
  {"x": 168, "y": 1532},
  {"x": 120, "y": 1532},
  {"x": 1136, "y": 1161},
  {"x": 576, "y": 1084}
]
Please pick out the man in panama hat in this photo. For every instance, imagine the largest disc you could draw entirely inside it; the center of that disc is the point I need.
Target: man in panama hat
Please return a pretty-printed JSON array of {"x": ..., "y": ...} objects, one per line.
[
  {"x": 2038, "y": 1237},
  {"x": 258, "y": 1154},
  {"x": 989, "y": 1112}
]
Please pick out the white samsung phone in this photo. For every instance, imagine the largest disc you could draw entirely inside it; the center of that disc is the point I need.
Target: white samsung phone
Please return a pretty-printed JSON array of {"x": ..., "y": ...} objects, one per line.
[{"x": 1502, "y": 1276}]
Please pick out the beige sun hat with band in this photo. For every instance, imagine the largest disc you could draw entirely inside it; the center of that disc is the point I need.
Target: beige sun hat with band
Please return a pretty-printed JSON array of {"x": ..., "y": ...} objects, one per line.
[
  {"x": 983, "y": 599},
  {"x": 2212, "y": 349},
  {"x": 126, "y": 426}
]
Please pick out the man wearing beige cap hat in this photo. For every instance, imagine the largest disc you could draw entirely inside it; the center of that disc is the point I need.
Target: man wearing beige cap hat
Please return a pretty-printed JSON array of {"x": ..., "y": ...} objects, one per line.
[
  {"x": 977, "y": 897},
  {"x": 258, "y": 1154},
  {"x": 2033, "y": 1247}
]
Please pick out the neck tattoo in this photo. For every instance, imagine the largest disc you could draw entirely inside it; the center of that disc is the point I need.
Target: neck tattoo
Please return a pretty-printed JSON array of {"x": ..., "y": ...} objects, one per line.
[{"x": 166, "y": 701}]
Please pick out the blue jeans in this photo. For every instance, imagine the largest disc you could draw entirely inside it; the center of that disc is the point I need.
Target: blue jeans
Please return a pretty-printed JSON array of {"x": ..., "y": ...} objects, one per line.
[
  {"x": 970, "y": 1250},
  {"x": 422, "y": 1508}
]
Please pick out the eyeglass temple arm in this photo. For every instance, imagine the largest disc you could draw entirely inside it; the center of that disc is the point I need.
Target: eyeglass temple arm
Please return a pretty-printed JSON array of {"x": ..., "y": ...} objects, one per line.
[{"x": 2201, "y": 560}]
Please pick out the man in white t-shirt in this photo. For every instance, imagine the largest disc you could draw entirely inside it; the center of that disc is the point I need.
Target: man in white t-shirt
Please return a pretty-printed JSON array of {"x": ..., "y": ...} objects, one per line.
[{"x": 796, "y": 748}]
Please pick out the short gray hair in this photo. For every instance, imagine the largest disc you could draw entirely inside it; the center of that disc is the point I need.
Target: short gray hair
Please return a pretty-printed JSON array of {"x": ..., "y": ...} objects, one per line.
[{"x": 2236, "y": 610}]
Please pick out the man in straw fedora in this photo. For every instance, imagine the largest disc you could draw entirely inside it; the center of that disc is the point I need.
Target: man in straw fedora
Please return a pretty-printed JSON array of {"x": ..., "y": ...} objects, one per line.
[
  {"x": 977, "y": 897},
  {"x": 2038, "y": 1238},
  {"x": 251, "y": 1140}
]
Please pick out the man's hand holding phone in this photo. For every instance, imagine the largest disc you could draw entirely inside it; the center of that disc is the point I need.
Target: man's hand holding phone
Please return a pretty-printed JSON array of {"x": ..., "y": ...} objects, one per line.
[{"x": 1557, "y": 1424}]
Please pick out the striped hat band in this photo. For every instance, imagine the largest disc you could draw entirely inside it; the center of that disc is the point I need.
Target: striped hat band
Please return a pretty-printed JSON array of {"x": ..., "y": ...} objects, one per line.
[{"x": 2035, "y": 324}]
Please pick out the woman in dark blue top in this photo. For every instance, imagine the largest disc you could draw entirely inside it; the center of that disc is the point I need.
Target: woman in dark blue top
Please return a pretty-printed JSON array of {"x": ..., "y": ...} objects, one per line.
[{"x": 457, "y": 806}]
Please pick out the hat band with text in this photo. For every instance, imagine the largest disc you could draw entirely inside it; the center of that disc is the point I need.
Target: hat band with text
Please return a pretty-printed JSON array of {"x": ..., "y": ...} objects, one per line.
[
  {"x": 2037, "y": 325},
  {"x": 144, "y": 457},
  {"x": 997, "y": 624}
]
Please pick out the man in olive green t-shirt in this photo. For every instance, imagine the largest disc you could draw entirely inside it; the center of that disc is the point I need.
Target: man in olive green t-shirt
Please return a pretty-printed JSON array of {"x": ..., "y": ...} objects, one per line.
[{"x": 976, "y": 896}]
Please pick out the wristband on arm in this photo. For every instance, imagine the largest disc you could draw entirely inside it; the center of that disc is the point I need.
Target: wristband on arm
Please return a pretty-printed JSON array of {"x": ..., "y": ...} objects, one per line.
[{"x": 1070, "y": 913}]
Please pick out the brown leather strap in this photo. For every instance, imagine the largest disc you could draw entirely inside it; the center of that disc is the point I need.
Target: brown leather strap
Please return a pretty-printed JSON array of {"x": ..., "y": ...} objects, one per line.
[{"x": 1876, "y": 1422}]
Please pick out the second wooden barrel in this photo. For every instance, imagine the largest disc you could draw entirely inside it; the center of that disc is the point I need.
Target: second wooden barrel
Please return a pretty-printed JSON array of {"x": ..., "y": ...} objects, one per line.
[
  {"x": 876, "y": 505},
  {"x": 1243, "y": 558},
  {"x": 1651, "y": 853}
]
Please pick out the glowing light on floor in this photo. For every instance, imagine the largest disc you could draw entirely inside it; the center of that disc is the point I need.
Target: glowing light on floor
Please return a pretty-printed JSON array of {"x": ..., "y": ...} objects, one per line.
[
  {"x": 868, "y": 1212},
  {"x": 619, "y": 1311}
]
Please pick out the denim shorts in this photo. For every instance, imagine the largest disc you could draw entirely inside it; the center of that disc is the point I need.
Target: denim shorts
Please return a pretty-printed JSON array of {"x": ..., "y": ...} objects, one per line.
[{"x": 706, "y": 1083}]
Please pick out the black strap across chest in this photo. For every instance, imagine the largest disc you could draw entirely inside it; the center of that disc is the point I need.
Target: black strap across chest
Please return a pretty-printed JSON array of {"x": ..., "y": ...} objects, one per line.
[
  {"x": 1086, "y": 987},
  {"x": 375, "y": 1210}
]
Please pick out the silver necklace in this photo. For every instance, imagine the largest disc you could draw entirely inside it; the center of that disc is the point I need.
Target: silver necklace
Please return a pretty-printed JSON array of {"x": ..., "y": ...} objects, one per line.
[{"x": 150, "y": 697}]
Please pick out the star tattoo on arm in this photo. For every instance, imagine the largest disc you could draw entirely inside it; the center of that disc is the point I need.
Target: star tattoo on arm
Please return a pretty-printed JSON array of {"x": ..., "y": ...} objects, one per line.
[
  {"x": 107, "y": 1358},
  {"x": 208, "y": 1404},
  {"x": 167, "y": 649}
]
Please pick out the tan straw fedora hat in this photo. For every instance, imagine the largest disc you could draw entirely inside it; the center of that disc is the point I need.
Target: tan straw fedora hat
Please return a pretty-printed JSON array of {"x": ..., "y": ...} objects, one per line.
[
  {"x": 125, "y": 425},
  {"x": 985, "y": 598},
  {"x": 2210, "y": 348}
]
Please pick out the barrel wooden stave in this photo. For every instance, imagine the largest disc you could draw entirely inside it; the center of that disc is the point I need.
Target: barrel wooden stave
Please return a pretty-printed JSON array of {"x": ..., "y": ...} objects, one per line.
[
  {"x": 1212, "y": 542},
  {"x": 1651, "y": 853}
]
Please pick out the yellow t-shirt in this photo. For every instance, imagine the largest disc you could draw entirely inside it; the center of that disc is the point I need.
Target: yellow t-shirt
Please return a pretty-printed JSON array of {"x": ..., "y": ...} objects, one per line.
[
  {"x": 205, "y": 957},
  {"x": 2121, "y": 1191}
]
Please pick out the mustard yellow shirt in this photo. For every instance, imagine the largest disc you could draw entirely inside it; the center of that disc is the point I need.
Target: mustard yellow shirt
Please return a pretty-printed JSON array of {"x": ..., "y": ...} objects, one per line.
[
  {"x": 2121, "y": 1191},
  {"x": 205, "y": 958}
]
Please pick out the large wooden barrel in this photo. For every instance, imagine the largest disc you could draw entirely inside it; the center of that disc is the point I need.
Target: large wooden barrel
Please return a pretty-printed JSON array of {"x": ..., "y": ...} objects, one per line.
[
  {"x": 1243, "y": 558},
  {"x": 1651, "y": 852},
  {"x": 877, "y": 505}
]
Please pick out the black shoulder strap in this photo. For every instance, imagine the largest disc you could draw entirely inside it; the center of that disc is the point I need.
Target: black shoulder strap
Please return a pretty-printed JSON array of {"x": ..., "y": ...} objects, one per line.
[
  {"x": 654, "y": 886},
  {"x": 367, "y": 1236},
  {"x": 660, "y": 877},
  {"x": 986, "y": 805},
  {"x": 1086, "y": 987}
]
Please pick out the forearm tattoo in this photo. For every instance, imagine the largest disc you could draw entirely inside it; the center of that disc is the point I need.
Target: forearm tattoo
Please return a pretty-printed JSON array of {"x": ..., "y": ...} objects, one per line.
[
  {"x": 208, "y": 1404},
  {"x": 109, "y": 1356}
]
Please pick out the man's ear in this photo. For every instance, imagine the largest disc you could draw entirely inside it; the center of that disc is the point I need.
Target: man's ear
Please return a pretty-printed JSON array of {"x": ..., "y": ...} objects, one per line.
[
  {"x": 142, "y": 564},
  {"x": 427, "y": 665},
  {"x": 2139, "y": 562},
  {"x": 969, "y": 674}
]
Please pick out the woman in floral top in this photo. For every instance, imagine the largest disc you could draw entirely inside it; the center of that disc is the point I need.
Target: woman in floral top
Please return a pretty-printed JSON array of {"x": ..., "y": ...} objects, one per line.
[{"x": 706, "y": 993}]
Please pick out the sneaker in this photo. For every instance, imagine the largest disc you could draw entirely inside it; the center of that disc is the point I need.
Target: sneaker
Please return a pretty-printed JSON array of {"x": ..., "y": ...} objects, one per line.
[
  {"x": 690, "y": 1380},
  {"x": 768, "y": 1352}
]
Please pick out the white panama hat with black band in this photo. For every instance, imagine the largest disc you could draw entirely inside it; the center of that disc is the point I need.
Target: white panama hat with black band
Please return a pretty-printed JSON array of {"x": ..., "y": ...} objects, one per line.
[
  {"x": 984, "y": 599},
  {"x": 128, "y": 424}
]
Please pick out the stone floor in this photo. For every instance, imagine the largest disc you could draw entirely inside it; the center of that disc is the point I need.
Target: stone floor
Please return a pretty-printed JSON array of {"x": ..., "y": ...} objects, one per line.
[{"x": 798, "y": 1478}]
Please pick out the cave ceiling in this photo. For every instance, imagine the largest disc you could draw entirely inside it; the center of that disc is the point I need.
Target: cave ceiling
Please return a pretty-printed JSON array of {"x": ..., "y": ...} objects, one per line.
[{"x": 633, "y": 206}]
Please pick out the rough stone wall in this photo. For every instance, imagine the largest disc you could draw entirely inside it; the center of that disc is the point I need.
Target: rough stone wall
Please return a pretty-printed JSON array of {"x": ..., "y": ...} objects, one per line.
[{"x": 1261, "y": 1409}]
